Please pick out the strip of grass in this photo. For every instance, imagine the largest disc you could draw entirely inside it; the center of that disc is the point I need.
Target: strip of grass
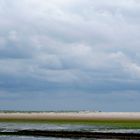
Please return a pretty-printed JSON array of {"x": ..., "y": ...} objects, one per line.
[{"x": 127, "y": 124}]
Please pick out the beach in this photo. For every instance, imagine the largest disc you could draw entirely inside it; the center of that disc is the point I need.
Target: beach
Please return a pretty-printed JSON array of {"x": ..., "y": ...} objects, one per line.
[
  {"x": 90, "y": 116},
  {"x": 119, "y": 119},
  {"x": 71, "y": 124}
]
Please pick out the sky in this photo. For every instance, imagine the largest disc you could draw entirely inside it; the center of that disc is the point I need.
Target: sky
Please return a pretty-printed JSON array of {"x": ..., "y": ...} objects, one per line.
[{"x": 70, "y": 55}]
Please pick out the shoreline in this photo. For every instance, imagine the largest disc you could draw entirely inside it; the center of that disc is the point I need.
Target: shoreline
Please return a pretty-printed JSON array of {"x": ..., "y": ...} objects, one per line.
[
  {"x": 115, "y": 119},
  {"x": 73, "y": 134}
]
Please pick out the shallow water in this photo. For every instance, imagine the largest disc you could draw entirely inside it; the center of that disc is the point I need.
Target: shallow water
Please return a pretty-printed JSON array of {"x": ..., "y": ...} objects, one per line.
[
  {"x": 11, "y": 127},
  {"x": 38, "y": 138},
  {"x": 27, "y": 138}
]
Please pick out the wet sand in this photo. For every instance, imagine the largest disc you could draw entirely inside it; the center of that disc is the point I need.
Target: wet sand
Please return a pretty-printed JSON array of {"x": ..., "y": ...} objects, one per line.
[{"x": 74, "y": 134}]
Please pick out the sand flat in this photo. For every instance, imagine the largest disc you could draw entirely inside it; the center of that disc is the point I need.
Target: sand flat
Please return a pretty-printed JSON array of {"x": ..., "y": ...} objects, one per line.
[{"x": 72, "y": 116}]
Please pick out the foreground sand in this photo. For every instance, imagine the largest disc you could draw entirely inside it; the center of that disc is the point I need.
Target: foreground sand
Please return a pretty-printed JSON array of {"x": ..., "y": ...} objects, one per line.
[{"x": 90, "y": 116}]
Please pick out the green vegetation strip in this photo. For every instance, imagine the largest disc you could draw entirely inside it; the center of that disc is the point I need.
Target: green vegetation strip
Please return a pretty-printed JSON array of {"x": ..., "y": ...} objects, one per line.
[{"x": 127, "y": 124}]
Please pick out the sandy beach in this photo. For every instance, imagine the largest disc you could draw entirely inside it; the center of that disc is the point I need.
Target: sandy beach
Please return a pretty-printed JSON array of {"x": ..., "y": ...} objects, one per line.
[
  {"x": 112, "y": 121},
  {"x": 72, "y": 116}
]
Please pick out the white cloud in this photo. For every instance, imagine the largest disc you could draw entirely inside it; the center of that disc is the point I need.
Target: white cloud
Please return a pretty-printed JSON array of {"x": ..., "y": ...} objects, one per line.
[
  {"x": 128, "y": 65},
  {"x": 60, "y": 39},
  {"x": 13, "y": 36}
]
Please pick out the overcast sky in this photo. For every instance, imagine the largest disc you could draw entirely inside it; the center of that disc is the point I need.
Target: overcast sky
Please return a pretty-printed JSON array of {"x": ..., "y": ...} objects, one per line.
[{"x": 70, "y": 55}]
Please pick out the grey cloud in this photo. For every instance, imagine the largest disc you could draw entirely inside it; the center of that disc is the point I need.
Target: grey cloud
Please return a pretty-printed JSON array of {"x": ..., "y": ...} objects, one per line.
[
  {"x": 92, "y": 39},
  {"x": 77, "y": 45}
]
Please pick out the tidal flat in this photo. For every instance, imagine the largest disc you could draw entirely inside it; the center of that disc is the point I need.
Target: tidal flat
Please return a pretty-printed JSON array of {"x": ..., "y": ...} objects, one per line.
[
  {"x": 70, "y": 125},
  {"x": 119, "y": 119}
]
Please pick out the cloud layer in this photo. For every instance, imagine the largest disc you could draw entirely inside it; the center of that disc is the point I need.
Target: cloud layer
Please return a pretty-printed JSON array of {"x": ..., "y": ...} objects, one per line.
[{"x": 51, "y": 48}]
